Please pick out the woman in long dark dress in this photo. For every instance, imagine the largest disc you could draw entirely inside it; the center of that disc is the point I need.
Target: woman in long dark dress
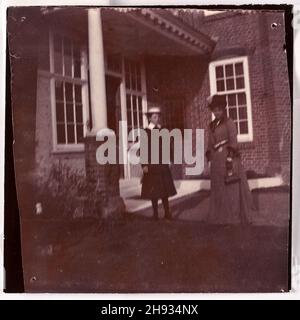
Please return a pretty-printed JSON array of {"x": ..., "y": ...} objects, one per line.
[
  {"x": 230, "y": 200},
  {"x": 157, "y": 181}
]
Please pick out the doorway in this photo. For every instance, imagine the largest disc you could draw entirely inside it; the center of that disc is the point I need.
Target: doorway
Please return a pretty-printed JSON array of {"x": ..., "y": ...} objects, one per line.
[{"x": 114, "y": 107}]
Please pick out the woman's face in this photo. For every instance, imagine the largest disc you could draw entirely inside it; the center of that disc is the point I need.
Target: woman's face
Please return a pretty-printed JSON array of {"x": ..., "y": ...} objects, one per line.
[
  {"x": 218, "y": 112},
  {"x": 155, "y": 118}
]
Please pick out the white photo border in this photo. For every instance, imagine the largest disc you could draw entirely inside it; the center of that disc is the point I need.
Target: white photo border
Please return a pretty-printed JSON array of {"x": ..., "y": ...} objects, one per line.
[{"x": 295, "y": 294}]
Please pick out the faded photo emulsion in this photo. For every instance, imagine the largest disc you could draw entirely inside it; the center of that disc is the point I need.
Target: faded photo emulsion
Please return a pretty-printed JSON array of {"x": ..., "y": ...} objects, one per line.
[{"x": 151, "y": 148}]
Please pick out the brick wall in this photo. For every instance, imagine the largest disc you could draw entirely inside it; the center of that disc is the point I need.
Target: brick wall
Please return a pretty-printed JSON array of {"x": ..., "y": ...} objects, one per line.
[
  {"x": 281, "y": 89},
  {"x": 255, "y": 34},
  {"x": 103, "y": 181},
  {"x": 251, "y": 34}
]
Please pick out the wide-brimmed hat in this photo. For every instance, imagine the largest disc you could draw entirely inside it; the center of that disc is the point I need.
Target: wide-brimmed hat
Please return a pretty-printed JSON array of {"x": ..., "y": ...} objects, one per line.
[
  {"x": 217, "y": 101},
  {"x": 153, "y": 110}
]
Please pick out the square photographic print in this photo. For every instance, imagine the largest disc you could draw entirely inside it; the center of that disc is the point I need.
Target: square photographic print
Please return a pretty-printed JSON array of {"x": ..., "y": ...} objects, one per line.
[{"x": 151, "y": 148}]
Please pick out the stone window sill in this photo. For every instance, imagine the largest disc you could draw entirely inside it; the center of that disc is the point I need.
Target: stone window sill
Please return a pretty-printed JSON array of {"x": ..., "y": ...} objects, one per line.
[{"x": 68, "y": 150}]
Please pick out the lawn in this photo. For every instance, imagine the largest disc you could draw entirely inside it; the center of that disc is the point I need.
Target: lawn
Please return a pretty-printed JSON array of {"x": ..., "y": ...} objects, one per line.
[{"x": 138, "y": 254}]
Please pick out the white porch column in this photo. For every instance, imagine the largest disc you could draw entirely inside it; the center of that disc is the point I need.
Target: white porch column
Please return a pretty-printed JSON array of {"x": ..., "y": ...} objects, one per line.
[{"x": 97, "y": 71}]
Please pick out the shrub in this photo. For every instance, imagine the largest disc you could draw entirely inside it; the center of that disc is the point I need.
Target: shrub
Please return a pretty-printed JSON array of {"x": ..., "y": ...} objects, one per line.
[{"x": 66, "y": 193}]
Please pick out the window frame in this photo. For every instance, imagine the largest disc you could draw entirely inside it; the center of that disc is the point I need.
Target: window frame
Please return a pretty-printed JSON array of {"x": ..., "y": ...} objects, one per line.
[
  {"x": 83, "y": 81},
  {"x": 247, "y": 137},
  {"x": 137, "y": 93}
]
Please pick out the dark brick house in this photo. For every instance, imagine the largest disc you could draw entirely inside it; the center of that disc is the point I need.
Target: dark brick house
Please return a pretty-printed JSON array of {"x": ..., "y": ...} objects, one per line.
[
  {"x": 88, "y": 69},
  {"x": 259, "y": 100}
]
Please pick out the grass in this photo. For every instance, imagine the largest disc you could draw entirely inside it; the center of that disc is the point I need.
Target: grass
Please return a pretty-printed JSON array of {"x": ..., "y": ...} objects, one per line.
[{"x": 140, "y": 255}]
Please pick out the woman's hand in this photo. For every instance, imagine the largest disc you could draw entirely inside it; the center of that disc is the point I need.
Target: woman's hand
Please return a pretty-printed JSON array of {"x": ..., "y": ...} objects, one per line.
[{"x": 145, "y": 169}]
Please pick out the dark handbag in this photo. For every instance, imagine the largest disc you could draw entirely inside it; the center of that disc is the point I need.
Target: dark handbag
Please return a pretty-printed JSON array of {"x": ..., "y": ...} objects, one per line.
[{"x": 230, "y": 176}]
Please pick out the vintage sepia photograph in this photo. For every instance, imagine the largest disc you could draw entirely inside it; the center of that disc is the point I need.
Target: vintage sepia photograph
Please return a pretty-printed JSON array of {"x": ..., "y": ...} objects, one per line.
[{"x": 151, "y": 148}]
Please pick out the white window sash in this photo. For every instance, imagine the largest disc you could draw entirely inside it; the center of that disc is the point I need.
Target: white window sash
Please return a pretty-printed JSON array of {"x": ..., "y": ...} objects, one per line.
[
  {"x": 83, "y": 82},
  {"x": 134, "y": 94},
  {"x": 213, "y": 90}
]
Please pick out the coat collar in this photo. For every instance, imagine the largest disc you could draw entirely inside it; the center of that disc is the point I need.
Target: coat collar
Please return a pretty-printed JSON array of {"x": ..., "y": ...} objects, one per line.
[{"x": 215, "y": 123}]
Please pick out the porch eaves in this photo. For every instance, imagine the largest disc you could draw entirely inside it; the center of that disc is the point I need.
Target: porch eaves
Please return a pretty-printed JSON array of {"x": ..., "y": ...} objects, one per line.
[{"x": 165, "y": 23}]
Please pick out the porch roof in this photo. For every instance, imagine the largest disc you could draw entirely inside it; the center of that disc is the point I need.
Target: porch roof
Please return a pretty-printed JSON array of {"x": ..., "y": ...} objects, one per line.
[
  {"x": 159, "y": 32},
  {"x": 144, "y": 31}
]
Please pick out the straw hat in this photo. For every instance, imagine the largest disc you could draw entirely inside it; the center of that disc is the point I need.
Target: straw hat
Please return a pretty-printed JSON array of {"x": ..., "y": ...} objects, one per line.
[{"x": 153, "y": 110}]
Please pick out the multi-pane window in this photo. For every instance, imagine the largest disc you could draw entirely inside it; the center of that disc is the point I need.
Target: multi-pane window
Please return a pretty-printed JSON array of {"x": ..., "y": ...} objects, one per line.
[
  {"x": 134, "y": 94},
  {"x": 230, "y": 77},
  {"x": 69, "y": 84},
  {"x": 69, "y": 113}
]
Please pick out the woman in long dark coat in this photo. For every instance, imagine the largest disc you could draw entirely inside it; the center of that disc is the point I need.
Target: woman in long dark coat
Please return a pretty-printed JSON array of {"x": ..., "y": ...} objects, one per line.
[
  {"x": 230, "y": 200},
  {"x": 157, "y": 181}
]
